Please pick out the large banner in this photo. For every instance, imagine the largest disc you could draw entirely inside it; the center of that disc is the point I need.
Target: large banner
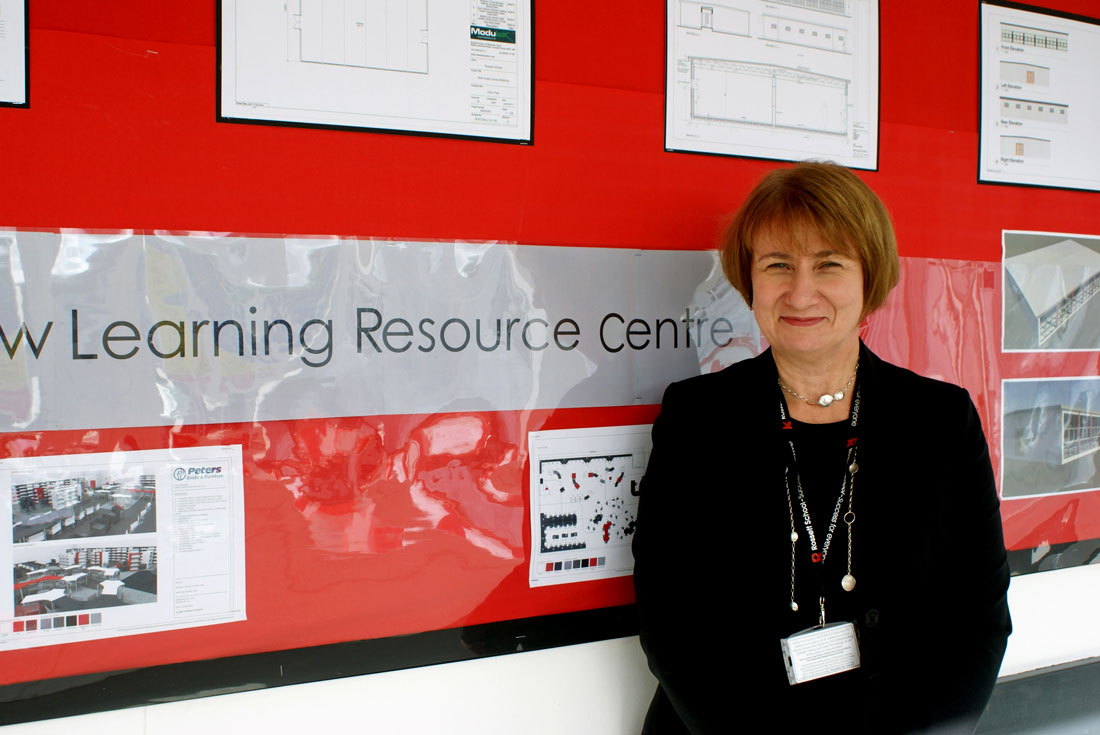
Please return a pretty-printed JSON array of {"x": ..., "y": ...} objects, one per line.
[{"x": 111, "y": 330}]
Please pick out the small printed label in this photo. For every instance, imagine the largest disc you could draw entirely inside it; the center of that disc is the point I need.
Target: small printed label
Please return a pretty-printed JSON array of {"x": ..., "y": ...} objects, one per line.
[{"x": 499, "y": 35}]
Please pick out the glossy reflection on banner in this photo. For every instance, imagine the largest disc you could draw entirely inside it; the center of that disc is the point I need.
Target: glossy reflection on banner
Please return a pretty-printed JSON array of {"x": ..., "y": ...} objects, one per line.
[{"x": 382, "y": 393}]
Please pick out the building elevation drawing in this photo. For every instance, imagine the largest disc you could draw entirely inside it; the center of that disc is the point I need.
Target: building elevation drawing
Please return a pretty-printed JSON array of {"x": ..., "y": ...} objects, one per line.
[
  {"x": 1039, "y": 99},
  {"x": 786, "y": 80},
  {"x": 1050, "y": 295}
]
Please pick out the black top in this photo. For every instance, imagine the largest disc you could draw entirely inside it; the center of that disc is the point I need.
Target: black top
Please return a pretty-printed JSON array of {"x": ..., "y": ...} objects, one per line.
[
  {"x": 928, "y": 555},
  {"x": 822, "y": 453}
]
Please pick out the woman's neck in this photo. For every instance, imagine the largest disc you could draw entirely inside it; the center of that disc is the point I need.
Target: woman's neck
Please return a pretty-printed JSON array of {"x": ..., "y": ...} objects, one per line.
[{"x": 811, "y": 379}]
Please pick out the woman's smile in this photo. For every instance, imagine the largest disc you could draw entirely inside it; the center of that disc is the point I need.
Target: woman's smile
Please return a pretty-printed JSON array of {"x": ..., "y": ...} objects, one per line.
[{"x": 807, "y": 296}]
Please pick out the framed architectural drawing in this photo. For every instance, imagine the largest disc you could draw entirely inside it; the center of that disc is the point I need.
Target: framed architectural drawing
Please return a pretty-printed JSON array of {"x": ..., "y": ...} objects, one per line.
[
  {"x": 1039, "y": 99},
  {"x": 409, "y": 66},
  {"x": 785, "y": 80}
]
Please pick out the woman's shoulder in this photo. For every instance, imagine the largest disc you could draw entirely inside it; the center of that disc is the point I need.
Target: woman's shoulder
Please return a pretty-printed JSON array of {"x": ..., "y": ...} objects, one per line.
[
  {"x": 740, "y": 378},
  {"x": 710, "y": 409},
  {"x": 925, "y": 399},
  {"x": 896, "y": 377}
]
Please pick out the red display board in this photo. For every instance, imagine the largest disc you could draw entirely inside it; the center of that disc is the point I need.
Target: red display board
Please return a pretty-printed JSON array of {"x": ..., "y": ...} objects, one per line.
[{"x": 121, "y": 133}]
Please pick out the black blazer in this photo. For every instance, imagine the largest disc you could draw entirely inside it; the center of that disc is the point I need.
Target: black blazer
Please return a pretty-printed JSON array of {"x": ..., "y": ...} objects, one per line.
[{"x": 713, "y": 560}]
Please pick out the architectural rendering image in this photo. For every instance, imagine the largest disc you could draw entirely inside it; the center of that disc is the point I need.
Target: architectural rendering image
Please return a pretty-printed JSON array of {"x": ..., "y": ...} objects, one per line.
[
  {"x": 1050, "y": 288},
  {"x": 85, "y": 578},
  {"x": 82, "y": 505},
  {"x": 1051, "y": 436}
]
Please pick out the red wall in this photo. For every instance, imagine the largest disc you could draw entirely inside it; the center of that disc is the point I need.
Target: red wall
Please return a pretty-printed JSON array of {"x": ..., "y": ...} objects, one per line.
[{"x": 121, "y": 133}]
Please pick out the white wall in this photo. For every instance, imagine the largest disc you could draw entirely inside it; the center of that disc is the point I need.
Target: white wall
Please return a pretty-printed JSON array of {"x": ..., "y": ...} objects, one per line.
[
  {"x": 1054, "y": 618},
  {"x": 601, "y": 687}
]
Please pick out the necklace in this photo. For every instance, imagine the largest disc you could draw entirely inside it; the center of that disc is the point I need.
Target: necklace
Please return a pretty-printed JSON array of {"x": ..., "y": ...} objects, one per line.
[
  {"x": 827, "y": 398},
  {"x": 847, "y": 487}
]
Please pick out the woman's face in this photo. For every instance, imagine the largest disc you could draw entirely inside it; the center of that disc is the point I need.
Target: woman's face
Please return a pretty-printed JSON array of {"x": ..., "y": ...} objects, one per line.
[{"x": 807, "y": 296}]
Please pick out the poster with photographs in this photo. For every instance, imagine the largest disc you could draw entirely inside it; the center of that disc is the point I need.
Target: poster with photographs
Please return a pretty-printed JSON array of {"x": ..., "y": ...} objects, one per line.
[
  {"x": 1050, "y": 469},
  {"x": 118, "y": 543},
  {"x": 1051, "y": 436}
]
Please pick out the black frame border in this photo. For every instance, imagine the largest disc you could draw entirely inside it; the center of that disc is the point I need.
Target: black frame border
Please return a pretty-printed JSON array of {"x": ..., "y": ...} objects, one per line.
[
  {"x": 26, "y": 61},
  {"x": 219, "y": 117},
  {"x": 981, "y": 70},
  {"x": 122, "y": 689},
  {"x": 878, "y": 111}
]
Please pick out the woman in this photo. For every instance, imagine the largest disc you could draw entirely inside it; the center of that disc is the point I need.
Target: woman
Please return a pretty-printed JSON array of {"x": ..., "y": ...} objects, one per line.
[{"x": 816, "y": 484}]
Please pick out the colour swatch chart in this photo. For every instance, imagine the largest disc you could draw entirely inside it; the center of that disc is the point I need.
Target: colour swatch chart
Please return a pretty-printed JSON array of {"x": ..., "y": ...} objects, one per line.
[{"x": 584, "y": 501}]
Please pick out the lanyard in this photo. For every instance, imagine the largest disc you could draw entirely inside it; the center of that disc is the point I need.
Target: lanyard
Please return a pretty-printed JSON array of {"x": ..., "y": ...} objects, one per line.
[{"x": 819, "y": 555}]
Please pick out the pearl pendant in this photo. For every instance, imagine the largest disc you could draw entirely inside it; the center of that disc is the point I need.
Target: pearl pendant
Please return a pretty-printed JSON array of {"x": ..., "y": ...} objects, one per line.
[
  {"x": 794, "y": 536},
  {"x": 848, "y": 582},
  {"x": 853, "y": 467},
  {"x": 825, "y": 400},
  {"x": 838, "y": 396},
  {"x": 794, "y": 606}
]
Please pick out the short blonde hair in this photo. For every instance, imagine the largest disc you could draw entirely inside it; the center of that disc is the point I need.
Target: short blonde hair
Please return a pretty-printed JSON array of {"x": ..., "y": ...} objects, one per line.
[{"x": 823, "y": 197}]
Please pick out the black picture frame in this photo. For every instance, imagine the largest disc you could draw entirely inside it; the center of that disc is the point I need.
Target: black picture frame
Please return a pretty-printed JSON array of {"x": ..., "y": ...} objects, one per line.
[
  {"x": 222, "y": 117},
  {"x": 981, "y": 75},
  {"x": 26, "y": 103}
]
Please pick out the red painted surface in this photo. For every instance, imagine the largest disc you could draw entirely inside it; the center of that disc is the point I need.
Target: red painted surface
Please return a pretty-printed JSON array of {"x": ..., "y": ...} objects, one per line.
[
  {"x": 943, "y": 320},
  {"x": 36, "y": 580},
  {"x": 363, "y": 527},
  {"x": 393, "y": 534},
  {"x": 121, "y": 133}
]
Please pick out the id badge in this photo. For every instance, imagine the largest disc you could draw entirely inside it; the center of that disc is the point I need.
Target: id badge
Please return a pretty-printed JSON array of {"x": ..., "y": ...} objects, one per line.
[{"x": 819, "y": 652}]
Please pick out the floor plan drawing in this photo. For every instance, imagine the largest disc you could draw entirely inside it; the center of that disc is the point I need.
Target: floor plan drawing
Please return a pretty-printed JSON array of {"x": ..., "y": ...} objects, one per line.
[
  {"x": 596, "y": 497},
  {"x": 765, "y": 94},
  {"x": 786, "y": 80},
  {"x": 1039, "y": 101},
  {"x": 584, "y": 500},
  {"x": 386, "y": 34}
]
